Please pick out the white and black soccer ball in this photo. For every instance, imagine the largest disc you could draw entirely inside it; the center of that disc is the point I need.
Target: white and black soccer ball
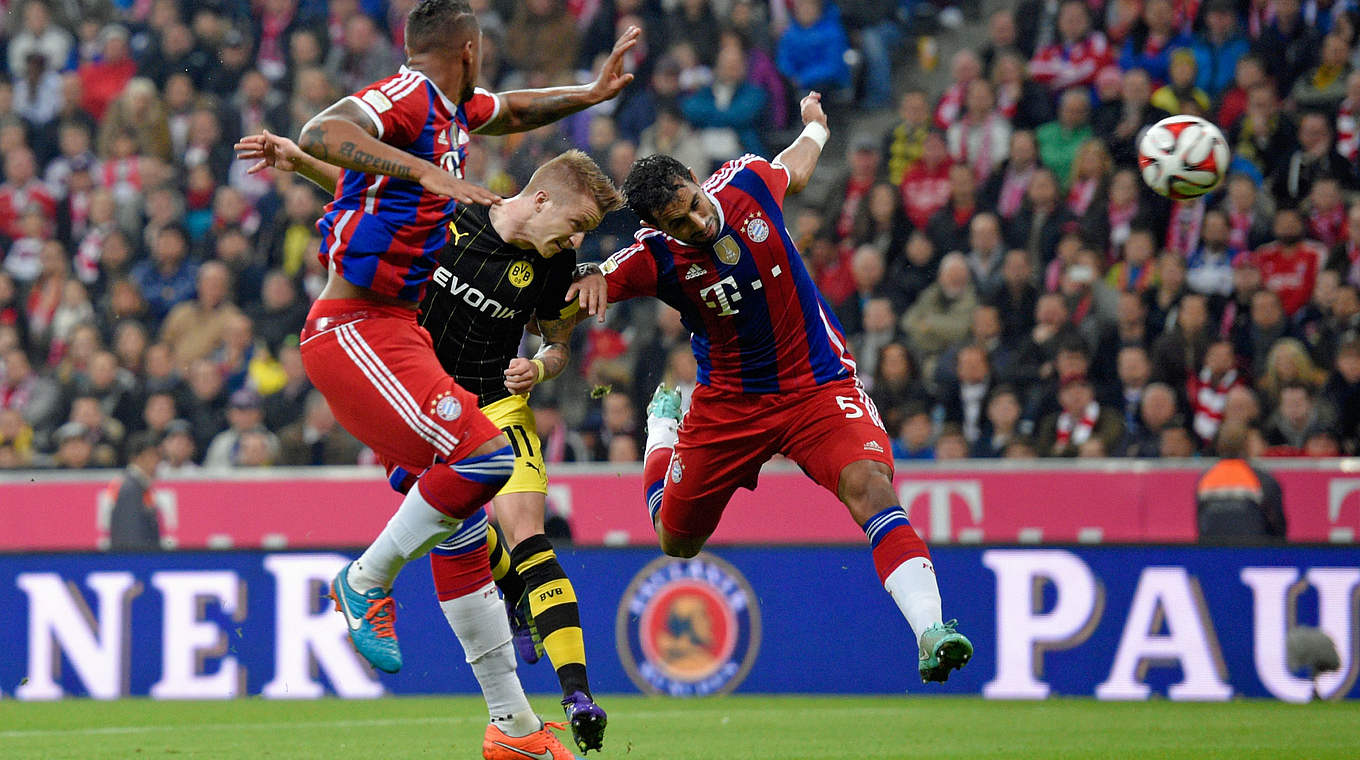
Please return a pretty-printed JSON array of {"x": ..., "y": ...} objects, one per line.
[{"x": 1183, "y": 157}]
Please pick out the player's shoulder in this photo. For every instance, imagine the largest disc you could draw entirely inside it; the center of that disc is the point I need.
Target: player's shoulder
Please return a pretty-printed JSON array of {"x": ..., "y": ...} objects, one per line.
[
  {"x": 745, "y": 174},
  {"x": 723, "y": 177},
  {"x": 643, "y": 240},
  {"x": 406, "y": 83}
]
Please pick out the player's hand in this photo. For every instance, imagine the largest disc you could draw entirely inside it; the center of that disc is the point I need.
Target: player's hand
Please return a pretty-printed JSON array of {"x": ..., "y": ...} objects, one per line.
[
  {"x": 613, "y": 78},
  {"x": 593, "y": 294},
  {"x": 272, "y": 151},
  {"x": 443, "y": 183},
  {"x": 521, "y": 375},
  {"x": 811, "y": 109}
]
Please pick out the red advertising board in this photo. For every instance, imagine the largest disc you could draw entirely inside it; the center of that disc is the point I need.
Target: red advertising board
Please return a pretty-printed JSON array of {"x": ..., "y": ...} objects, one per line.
[{"x": 316, "y": 507}]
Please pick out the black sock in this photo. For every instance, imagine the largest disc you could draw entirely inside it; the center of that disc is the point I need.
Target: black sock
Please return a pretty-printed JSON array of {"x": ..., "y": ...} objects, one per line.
[{"x": 552, "y": 601}]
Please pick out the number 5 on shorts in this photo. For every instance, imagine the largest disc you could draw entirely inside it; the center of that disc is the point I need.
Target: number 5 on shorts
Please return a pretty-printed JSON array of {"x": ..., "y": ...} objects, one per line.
[{"x": 852, "y": 410}]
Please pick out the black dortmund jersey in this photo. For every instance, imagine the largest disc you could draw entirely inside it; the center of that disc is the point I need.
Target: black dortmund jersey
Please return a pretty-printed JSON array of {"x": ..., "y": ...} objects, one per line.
[{"x": 482, "y": 294}]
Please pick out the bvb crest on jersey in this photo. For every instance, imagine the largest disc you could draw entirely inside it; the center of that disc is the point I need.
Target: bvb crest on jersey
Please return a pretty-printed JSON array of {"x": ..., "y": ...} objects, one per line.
[
  {"x": 727, "y": 249},
  {"x": 521, "y": 273}
]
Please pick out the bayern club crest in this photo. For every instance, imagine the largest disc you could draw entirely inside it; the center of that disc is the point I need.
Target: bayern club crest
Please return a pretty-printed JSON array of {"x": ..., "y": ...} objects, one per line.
[
  {"x": 688, "y": 627},
  {"x": 448, "y": 408},
  {"x": 757, "y": 229}
]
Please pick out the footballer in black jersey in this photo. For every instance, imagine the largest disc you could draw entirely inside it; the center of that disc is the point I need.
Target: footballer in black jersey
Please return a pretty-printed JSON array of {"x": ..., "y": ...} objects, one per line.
[{"x": 483, "y": 293}]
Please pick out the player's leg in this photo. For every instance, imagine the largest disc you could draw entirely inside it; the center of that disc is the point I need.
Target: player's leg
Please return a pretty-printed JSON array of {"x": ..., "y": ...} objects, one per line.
[
  {"x": 463, "y": 566},
  {"x": 512, "y": 592},
  {"x": 386, "y": 386},
  {"x": 834, "y": 434},
  {"x": 467, "y": 595},
  {"x": 692, "y": 470},
  {"x": 663, "y": 424},
  {"x": 548, "y": 604}
]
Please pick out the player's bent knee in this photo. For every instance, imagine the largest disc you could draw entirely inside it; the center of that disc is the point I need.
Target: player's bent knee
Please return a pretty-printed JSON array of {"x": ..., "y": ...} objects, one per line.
[
  {"x": 866, "y": 487},
  {"x": 460, "y": 488},
  {"x": 493, "y": 445},
  {"x": 684, "y": 548}
]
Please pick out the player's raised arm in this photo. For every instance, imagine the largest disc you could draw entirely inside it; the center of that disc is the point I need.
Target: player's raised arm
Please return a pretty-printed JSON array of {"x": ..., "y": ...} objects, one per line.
[
  {"x": 523, "y": 110},
  {"x": 800, "y": 158},
  {"x": 278, "y": 152},
  {"x": 344, "y": 135}
]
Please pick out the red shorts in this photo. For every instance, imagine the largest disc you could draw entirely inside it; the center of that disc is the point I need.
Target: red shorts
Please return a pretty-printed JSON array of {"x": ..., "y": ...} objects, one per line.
[
  {"x": 377, "y": 368},
  {"x": 726, "y": 437}
]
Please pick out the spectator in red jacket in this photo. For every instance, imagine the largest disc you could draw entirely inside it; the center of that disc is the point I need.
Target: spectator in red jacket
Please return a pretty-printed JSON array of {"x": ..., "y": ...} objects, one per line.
[
  {"x": 1080, "y": 53},
  {"x": 1289, "y": 264},
  {"x": 23, "y": 191},
  {"x": 925, "y": 187},
  {"x": 102, "y": 80}
]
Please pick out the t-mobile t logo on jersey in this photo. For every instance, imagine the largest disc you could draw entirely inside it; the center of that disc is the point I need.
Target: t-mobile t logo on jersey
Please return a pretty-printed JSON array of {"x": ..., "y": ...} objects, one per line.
[{"x": 719, "y": 291}]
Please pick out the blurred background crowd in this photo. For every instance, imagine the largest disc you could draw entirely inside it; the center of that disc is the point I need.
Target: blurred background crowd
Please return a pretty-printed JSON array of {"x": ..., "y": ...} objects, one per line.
[{"x": 1009, "y": 286}]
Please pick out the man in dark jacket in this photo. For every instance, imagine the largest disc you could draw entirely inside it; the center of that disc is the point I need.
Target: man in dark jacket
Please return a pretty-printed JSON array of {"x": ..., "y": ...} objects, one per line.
[
  {"x": 1236, "y": 501},
  {"x": 134, "y": 525}
]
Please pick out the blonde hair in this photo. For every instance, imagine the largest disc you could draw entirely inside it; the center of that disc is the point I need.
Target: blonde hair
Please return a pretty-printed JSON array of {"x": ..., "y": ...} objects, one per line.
[
  {"x": 1308, "y": 373},
  {"x": 577, "y": 174},
  {"x": 1097, "y": 146}
]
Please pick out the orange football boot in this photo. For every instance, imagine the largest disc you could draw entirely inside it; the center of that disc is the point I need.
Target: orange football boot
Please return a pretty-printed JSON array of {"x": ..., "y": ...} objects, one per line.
[{"x": 540, "y": 745}]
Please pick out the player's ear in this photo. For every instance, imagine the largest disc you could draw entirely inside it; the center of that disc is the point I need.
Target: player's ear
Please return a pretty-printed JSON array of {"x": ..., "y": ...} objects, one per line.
[
  {"x": 540, "y": 200},
  {"x": 692, "y": 176}
]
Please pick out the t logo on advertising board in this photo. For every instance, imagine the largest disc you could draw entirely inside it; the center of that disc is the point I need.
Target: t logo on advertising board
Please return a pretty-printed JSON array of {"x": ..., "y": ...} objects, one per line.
[
  {"x": 688, "y": 627},
  {"x": 940, "y": 495},
  {"x": 1337, "y": 491}
]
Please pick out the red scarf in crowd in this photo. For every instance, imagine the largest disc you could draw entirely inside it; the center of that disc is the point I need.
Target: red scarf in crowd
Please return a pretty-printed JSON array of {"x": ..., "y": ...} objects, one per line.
[
  {"x": 1013, "y": 189},
  {"x": 1187, "y": 217},
  {"x": 1080, "y": 196},
  {"x": 1327, "y": 225},
  {"x": 1239, "y": 229},
  {"x": 1207, "y": 399},
  {"x": 1076, "y": 431},
  {"x": 1348, "y": 129}
]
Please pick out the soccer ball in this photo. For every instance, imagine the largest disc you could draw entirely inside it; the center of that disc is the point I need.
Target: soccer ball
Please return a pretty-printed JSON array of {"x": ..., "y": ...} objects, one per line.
[{"x": 1183, "y": 157}]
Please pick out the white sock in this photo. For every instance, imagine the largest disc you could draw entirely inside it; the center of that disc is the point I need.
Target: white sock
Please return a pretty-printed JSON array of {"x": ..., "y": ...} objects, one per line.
[
  {"x": 413, "y": 530},
  {"x": 661, "y": 433},
  {"x": 912, "y": 586},
  {"x": 478, "y": 620}
]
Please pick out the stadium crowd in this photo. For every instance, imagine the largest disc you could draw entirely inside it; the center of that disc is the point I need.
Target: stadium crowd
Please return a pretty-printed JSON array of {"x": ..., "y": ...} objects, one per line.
[{"x": 1007, "y": 283}]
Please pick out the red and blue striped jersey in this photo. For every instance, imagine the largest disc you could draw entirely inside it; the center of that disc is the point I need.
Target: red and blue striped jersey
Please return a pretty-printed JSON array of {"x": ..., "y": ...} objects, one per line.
[
  {"x": 757, "y": 323},
  {"x": 381, "y": 232}
]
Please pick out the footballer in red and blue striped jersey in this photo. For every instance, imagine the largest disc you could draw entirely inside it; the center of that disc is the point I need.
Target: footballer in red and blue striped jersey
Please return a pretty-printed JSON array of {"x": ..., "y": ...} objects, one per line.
[
  {"x": 757, "y": 322},
  {"x": 774, "y": 374},
  {"x": 381, "y": 232}
]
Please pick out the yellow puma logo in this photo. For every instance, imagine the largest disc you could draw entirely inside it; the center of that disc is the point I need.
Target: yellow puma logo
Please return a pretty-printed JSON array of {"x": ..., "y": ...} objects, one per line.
[{"x": 457, "y": 236}]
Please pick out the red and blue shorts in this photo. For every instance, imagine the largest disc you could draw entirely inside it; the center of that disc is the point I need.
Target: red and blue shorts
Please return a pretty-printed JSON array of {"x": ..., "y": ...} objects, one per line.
[
  {"x": 726, "y": 437},
  {"x": 377, "y": 367}
]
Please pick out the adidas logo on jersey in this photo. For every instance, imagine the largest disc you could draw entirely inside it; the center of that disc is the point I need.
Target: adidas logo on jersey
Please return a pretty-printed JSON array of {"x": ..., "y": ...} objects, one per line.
[
  {"x": 695, "y": 271},
  {"x": 873, "y": 446}
]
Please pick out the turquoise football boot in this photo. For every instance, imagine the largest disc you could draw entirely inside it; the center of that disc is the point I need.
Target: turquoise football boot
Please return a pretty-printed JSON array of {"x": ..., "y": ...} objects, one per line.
[
  {"x": 943, "y": 649},
  {"x": 371, "y": 617}
]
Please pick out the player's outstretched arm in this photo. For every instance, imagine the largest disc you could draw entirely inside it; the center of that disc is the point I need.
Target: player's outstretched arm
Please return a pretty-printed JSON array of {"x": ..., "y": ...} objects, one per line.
[
  {"x": 523, "y": 110},
  {"x": 344, "y": 136},
  {"x": 279, "y": 153},
  {"x": 800, "y": 158}
]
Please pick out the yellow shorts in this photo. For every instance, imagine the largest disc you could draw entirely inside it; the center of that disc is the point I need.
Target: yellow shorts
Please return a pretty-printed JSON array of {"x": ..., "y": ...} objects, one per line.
[{"x": 514, "y": 417}]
